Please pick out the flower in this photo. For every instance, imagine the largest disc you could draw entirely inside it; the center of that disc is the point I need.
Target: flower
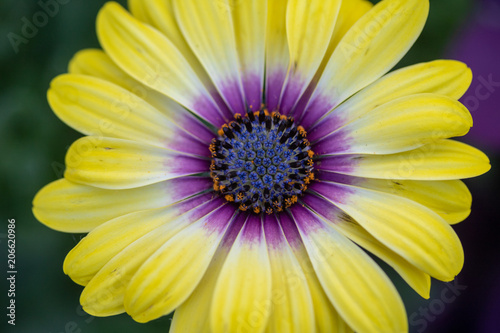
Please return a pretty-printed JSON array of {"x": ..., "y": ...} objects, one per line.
[{"x": 239, "y": 155}]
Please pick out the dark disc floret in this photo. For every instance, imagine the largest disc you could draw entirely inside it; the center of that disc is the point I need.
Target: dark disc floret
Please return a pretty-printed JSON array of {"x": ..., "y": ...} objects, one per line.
[{"x": 261, "y": 161}]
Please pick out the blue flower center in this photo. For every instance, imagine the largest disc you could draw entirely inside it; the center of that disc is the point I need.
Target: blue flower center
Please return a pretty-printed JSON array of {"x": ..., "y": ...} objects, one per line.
[{"x": 262, "y": 162}]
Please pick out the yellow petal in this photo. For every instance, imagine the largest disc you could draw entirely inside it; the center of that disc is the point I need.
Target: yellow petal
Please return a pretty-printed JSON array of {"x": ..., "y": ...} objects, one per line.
[
  {"x": 442, "y": 77},
  {"x": 98, "y": 64},
  {"x": 242, "y": 295},
  {"x": 119, "y": 164},
  {"x": 171, "y": 274},
  {"x": 401, "y": 125},
  {"x": 346, "y": 225},
  {"x": 440, "y": 160},
  {"x": 152, "y": 59},
  {"x": 104, "y": 294},
  {"x": 160, "y": 15},
  {"x": 249, "y": 20},
  {"x": 449, "y": 198},
  {"x": 309, "y": 26},
  {"x": 373, "y": 45},
  {"x": 201, "y": 298},
  {"x": 76, "y": 208},
  {"x": 95, "y": 107},
  {"x": 350, "y": 12},
  {"x": 357, "y": 287},
  {"x": 277, "y": 54},
  {"x": 327, "y": 318},
  {"x": 291, "y": 303},
  {"x": 110, "y": 238},
  {"x": 209, "y": 30},
  {"x": 409, "y": 229}
]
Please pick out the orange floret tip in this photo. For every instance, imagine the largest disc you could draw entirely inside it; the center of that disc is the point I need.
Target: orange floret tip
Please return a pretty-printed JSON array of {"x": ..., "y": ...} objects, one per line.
[{"x": 301, "y": 130}]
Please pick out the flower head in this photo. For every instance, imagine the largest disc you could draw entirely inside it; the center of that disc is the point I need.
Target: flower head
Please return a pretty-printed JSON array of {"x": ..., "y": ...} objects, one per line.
[{"x": 240, "y": 155}]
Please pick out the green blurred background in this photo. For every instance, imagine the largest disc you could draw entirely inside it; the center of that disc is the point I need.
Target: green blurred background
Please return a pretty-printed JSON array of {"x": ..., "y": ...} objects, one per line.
[{"x": 33, "y": 142}]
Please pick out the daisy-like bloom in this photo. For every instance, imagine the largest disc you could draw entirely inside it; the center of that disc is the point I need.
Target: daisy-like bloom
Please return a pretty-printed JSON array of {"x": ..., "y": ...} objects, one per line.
[{"x": 240, "y": 157}]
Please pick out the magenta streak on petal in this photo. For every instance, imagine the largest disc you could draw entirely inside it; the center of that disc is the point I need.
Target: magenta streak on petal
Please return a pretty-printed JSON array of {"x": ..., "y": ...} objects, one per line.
[
  {"x": 291, "y": 94},
  {"x": 185, "y": 143},
  {"x": 305, "y": 220},
  {"x": 218, "y": 221},
  {"x": 335, "y": 143},
  {"x": 231, "y": 93},
  {"x": 187, "y": 165},
  {"x": 333, "y": 192},
  {"x": 195, "y": 128},
  {"x": 290, "y": 230},
  {"x": 234, "y": 229},
  {"x": 274, "y": 235},
  {"x": 318, "y": 106},
  {"x": 204, "y": 203},
  {"x": 332, "y": 177},
  {"x": 274, "y": 85},
  {"x": 342, "y": 163},
  {"x": 252, "y": 85},
  {"x": 199, "y": 206},
  {"x": 252, "y": 231},
  {"x": 206, "y": 108},
  {"x": 325, "y": 127},
  {"x": 298, "y": 111},
  {"x": 184, "y": 187},
  {"x": 225, "y": 111},
  {"x": 322, "y": 207}
]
